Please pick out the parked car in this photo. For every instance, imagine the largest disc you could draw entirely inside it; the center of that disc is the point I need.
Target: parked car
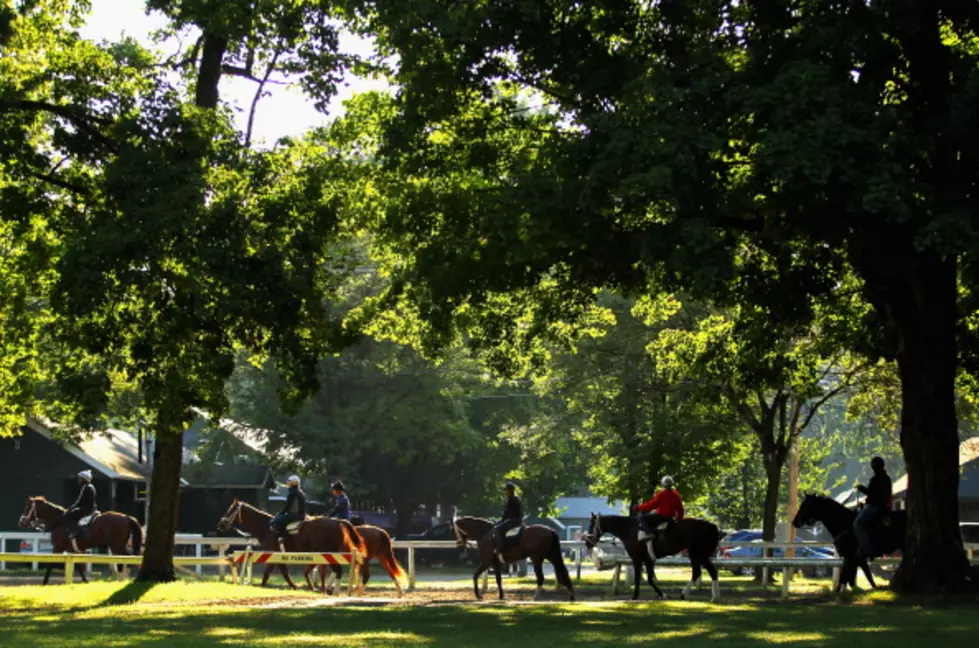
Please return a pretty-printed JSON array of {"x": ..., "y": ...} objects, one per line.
[
  {"x": 818, "y": 552},
  {"x": 449, "y": 556}
]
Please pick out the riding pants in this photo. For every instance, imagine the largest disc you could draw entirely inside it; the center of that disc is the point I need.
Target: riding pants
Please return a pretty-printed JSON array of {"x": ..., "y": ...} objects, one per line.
[
  {"x": 865, "y": 525},
  {"x": 279, "y": 522},
  {"x": 649, "y": 521},
  {"x": 500, "y": 529},
  {"x": 72, "y": 518}
]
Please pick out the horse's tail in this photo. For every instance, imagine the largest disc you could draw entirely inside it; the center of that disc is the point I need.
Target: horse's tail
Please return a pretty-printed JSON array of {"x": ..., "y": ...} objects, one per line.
[
  {"x": 389, "y": 562},
  {"x": 136, "y": 535},
  {"x": 560, "y": 569},
  {"x": 353, "y": 539}
]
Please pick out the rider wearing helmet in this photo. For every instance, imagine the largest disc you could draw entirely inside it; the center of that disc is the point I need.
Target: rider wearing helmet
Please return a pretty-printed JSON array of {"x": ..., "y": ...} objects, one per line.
[
  {"x": 666, "y": 505},
  {"x": 878, "y": 502},
  {"x": 84, "y": 505},
  {"x": 294, "y": 509},
  {"x": 512, "y": 516},
  {"x": 342, "y": 509}
]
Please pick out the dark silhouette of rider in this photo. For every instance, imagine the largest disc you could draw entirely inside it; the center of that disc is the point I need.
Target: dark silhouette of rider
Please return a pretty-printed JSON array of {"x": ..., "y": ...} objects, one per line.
[
  {"x": 84, "y": 505},
  {"x": 875, "y": 507},
  {"x": 294, "y": 509},
  {"x": 342, "y": 509},
  {"x": 512, "y": 516}
]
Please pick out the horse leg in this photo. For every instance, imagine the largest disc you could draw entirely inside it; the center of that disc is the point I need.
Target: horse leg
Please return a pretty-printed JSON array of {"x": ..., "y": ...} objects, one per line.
[
  {"x": 47, "y": 575},
  {"x": 865, "y": 567},
  {"x": 81, "y": 572},
  {"x": 637, "y": 577},
  {"x": 694, "y": 577},
  {"x": 499, "y": 578},
  {"x": 715, "y": 586},
  {"x": 539, "y": 573},
  {"x": 479, "y": 572},
  {"x": 651, "y": 576}
]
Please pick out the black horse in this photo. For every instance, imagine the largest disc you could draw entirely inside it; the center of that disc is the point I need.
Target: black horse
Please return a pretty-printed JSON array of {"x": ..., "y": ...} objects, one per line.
[
  {"x": 838, "y": 520},
  {"x": 698, "y": 537}
]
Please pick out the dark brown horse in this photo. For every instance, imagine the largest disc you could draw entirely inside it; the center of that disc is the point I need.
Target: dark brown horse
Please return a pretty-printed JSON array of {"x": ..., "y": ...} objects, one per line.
[
  {"x": 110, "y": 530},
  {"x": 317, "y": 534},
  {"x": 537, "y": 542},
  {"x": 838, "y": 521},
  {"x": 698, "y": 537}
]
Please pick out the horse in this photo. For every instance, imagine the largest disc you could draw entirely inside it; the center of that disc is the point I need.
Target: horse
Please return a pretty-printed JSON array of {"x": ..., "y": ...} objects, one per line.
[
  {"x": 109, "y": 530},
  {"x": 699, "y": 537},
  {"x": 838, "y": 520},
  {"x": 316, "y": 534},
  {"x": 378, "y": 543},
  {"x": 536, "y": 541}
]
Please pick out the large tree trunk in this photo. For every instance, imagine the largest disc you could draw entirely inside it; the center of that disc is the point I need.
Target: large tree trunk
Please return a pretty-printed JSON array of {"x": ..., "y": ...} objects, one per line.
[
  {"x": 773, "y": 473},
  {"x": 921, "y": 310},
  {"x": 164, "y": 499}
]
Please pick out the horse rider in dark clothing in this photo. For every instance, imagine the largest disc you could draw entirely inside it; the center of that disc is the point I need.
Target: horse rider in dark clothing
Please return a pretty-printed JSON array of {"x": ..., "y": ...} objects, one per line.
[
  {"x": 342, "y": 509},
  {"x": 875, "y": 507},
  {"x": 512, "y": 516},
  {"x": 294, "y": 509},
  {"x": 83, "y": 506}
]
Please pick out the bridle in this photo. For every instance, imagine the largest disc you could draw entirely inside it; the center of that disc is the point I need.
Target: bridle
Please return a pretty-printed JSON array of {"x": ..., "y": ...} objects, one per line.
[
  {"x": 593, "y": 538},
  {"x": 233, "y": 519},
  {"x": 29, "y": 520}
]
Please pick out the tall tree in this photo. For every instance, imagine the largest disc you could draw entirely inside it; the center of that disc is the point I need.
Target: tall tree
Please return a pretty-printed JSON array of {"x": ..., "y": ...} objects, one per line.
[
  {"x": 825, "y": 135},
  {"x": 177, "y": 245}
]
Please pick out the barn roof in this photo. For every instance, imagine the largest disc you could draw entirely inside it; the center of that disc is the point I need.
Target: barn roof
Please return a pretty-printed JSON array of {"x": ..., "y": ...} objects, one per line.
[{"x": 968, "y": 471}]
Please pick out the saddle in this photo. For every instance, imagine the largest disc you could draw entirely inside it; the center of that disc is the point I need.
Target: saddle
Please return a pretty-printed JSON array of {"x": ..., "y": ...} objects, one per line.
[
  {"x": 293, "y": 527},
  {"x": 511, "y": 539},
  {"x": 658, "y": 531},
  {"x": 88, "y": 519}
]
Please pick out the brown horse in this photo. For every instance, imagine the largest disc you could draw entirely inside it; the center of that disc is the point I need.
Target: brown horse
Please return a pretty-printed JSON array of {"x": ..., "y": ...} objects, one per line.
[
  {"x": 317, "y": 534},
  {"x": 698, "y": 537},
  {"x": 378, "y": 543},
  {"x": 110, "y": 530},
  {"x": 537, "y": 542}
]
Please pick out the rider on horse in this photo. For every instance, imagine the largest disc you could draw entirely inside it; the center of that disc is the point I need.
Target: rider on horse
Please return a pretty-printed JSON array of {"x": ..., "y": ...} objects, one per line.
[
  {"x": 875, "y": 508},
  {"x": 342, "y": 509},
  {"x": 664, "y": 506},
  {"x": 83, "y": 507},
  {"x": 512, "y": 516},
  {"x": 294, "y": 509}
]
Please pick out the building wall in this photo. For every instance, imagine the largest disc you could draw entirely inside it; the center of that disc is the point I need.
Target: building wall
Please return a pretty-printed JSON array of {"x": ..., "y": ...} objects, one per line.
[
  {"x": 31, "y": 465},
  {"x": 201, "y": 508}
]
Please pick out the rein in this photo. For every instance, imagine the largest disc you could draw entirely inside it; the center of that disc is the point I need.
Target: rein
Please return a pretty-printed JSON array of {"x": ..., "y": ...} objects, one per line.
[{"x": 30, "y": 519}]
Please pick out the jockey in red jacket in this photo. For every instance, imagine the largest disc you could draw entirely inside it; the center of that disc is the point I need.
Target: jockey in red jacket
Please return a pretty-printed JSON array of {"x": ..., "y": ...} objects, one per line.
[{"x": 666, "y": 505}]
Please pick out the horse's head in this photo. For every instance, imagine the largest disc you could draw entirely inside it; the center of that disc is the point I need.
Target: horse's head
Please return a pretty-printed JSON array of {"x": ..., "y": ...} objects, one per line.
[
  {"x": 594, "y": 533},
  {"x": 232, "y": 517},
  {"x": 461, "y": 535},
  {"x": 810, "y": 511},
  {"x": 29, "y": 519}
]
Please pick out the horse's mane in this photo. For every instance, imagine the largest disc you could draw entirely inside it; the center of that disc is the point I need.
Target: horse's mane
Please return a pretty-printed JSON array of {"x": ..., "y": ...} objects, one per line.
[
  {"x": 353, "y": 536},
  {"x": 255, "y": 509},
  {"x": 43, "y": 500},
  {"x": 475, "y": 519}
]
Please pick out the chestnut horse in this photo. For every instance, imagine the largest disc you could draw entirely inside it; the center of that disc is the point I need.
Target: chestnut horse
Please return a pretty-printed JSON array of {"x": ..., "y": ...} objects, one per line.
[
  {"x": 317, "y": 534},
  {"x": 536, "y": 541},
  {"x": 378, "y": 543},
  {"x": 699, "y": 538},
  {"x": 110, "y": 530}
]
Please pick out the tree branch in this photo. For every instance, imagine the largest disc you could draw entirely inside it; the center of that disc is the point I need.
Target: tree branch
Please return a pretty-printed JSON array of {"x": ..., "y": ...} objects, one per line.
[
  {"x": 258, "y": 96},
  {"x": 81, "y": 120},
  {"x": 58, "y": 182},
  {"x": 243, "y": 73}
]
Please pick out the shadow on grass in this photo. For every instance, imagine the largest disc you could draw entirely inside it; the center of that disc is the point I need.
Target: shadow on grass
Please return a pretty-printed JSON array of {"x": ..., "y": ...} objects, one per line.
[
  {"x": 132, "y": 592},
  {"x": 668, "y": 626}
]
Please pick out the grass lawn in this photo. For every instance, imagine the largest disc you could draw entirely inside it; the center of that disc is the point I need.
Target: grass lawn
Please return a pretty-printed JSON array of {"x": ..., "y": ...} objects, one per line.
[{"x": 213, "y": 614}]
